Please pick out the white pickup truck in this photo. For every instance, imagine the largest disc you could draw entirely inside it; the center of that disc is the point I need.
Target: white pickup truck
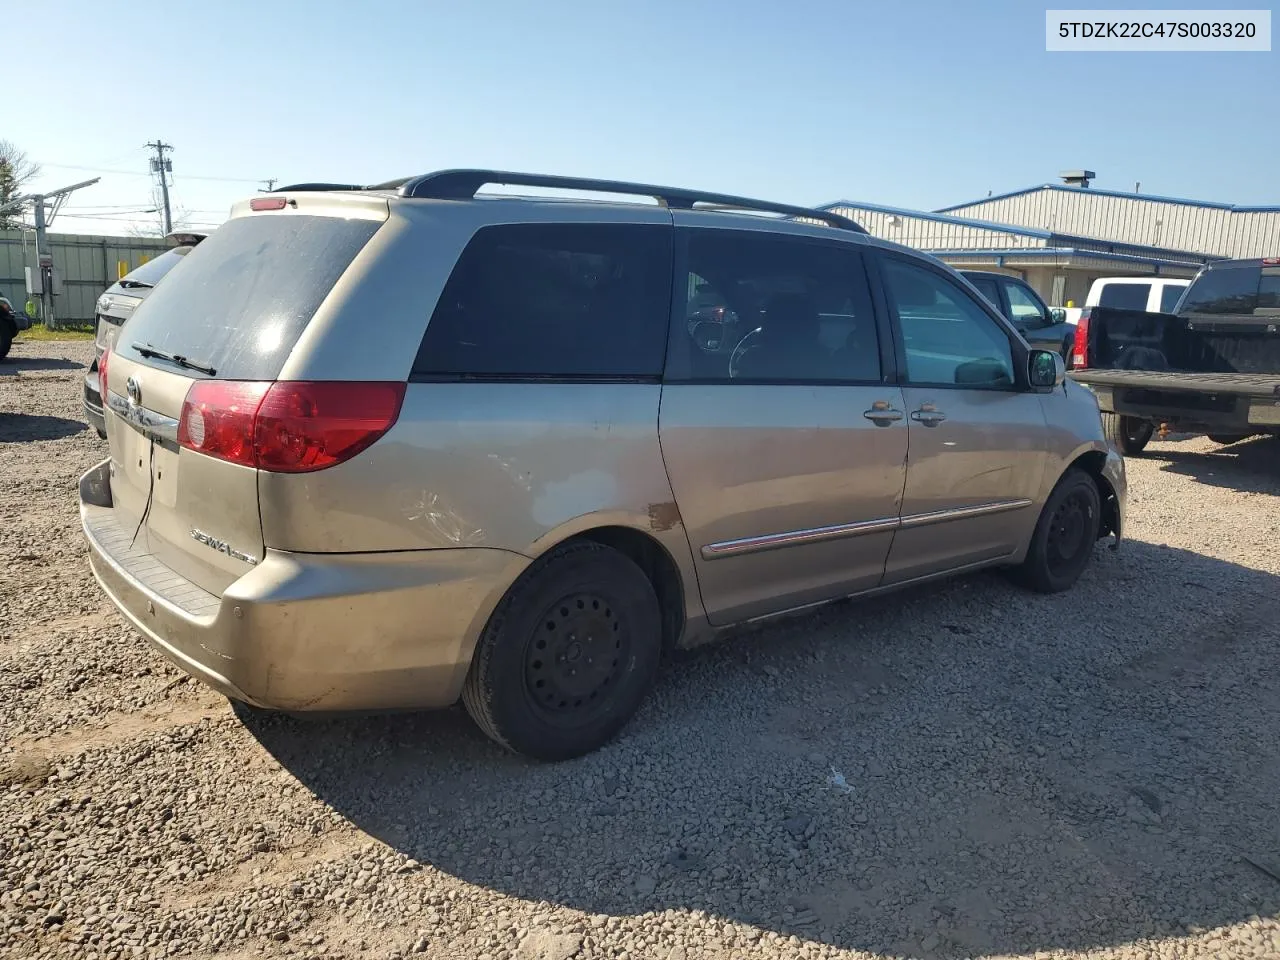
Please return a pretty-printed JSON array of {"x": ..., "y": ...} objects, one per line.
[{"x": 1153, "y": 294}]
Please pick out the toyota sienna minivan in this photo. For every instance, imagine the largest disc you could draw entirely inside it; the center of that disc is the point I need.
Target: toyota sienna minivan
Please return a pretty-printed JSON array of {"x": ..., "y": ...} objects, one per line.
[{"x": 387, "y": 447}]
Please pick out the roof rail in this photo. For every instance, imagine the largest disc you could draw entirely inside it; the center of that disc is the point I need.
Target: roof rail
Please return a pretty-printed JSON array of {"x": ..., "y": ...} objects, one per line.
[
  {"x": 304, "y": 187},
  {"x": 464, "y": 184}
]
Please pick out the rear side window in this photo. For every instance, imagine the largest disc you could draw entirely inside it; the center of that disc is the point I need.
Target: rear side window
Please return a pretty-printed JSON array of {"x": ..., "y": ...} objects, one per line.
[
  {"x": 244, "y": 295},
  {"x": 1242, "y": 290},
  {"x": 987, "y": 288},
  {"x": 1126, "y": 296},
  {"x": 561, "y": 300},
  {"x": 762, "y": 308},
  {"x": 1169, "y": 298}
]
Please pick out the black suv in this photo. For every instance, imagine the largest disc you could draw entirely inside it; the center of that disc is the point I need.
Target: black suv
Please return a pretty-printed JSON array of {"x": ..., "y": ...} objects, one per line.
[{"x": 1043, "y": 327}]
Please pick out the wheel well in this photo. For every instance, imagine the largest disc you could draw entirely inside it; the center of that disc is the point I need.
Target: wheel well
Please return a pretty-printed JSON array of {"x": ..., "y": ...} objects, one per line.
[
  {"x": 1092, "y": 463},
  {"x": 652, "y": 558}
]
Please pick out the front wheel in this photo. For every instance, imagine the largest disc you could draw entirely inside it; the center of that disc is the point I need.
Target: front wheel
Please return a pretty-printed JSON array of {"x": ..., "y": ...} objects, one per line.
[
  {"x": 1129, "y": 435},
  {"x": 1226, "y": 438},
  {"x": 1062, "y": 543},
  {"x": 7, "y": 333},
  {"x": 568, "y": 656}
]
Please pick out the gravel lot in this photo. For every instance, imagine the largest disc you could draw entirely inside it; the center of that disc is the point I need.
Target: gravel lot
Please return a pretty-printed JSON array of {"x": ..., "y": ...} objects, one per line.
[{"x": 1095, "y": 774}]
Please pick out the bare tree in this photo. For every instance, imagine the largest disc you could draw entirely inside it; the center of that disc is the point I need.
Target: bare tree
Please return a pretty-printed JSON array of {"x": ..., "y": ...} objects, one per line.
[{"x": 16, "y": 170}]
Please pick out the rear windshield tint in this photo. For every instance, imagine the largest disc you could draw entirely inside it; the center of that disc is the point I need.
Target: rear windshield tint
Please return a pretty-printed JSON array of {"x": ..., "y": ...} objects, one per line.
[
  {"x": 244, "y": 295},
  {"x": 151, "y": 271},
  {"x": 1126, "y": 296},
  {"x": 1232, "y": 290}
]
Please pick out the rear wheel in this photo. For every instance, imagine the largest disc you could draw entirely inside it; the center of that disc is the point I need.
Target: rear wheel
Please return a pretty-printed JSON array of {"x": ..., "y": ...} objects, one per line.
[
  {"x": 1062, "y": 543},
  {"x": 1225, "y": 438},
  {"x": 7, "y": 332},
  {"x": 1129, "y": 435},
  {"x": 568, "y": 656}
]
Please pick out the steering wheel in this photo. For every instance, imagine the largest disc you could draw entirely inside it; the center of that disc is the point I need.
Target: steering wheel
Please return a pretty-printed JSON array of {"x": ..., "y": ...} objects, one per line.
[{"x": 740, "y": 350}]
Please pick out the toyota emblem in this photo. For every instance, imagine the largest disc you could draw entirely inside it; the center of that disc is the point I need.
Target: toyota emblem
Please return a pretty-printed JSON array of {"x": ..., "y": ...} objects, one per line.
[{"x": 134, "y": 389}]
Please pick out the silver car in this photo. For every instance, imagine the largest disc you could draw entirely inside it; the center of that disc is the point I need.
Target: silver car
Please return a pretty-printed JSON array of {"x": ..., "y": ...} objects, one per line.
[{"x": 385, "y": 447}]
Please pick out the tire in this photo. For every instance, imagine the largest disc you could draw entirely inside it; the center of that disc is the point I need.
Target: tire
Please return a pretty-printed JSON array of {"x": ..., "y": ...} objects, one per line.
[
  {"x": 1062, "y": 543},
  {"x": 7, "y": 333},
  {"x": 523, "y": 689},
  {"x": 1226, "y": 438},
  {"x": 1129, "y": 435}
]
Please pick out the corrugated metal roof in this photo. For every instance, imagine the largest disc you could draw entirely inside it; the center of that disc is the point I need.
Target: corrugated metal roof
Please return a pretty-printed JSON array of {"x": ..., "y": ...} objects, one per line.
[
  {"x": 1137, "y": 219},
  {"x": 1239, "y": 208},
  {"x": 934, "y": 231}
]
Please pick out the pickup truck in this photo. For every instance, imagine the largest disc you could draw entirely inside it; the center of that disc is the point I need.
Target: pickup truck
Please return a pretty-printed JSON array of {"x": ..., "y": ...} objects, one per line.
[
  {"x": 1156, "y": 294},
  {"x": 1212, "y": 366}
]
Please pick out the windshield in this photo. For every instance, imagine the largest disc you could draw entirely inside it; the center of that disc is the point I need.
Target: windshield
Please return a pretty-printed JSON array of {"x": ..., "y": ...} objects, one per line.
[
  {"x": 1241, "y": 289},
  {"x": 150, "y": 272},
  {"x": 244, "y": 296},
  {"x": 1126, "y": 296}
]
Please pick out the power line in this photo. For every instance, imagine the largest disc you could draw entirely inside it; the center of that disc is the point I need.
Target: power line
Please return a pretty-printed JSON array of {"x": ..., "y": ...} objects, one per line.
[{"x": 138, "y": 173}]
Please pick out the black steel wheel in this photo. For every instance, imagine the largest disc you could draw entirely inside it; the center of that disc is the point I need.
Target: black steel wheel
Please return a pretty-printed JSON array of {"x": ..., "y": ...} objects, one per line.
[
  {"x": 572, "y": 660},
  {"x": 1062, "y": 543},
  {"x": 568, "y": 655}
]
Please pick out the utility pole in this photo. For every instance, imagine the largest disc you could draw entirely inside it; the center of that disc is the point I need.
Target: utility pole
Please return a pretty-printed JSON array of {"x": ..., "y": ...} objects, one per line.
[
  {"x": 271, "y": 185},
  {"x": 162, "y": 167}
]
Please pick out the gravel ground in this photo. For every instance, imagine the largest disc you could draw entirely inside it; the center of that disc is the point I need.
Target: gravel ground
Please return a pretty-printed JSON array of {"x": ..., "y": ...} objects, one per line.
[{"x": 966, "y": 771}]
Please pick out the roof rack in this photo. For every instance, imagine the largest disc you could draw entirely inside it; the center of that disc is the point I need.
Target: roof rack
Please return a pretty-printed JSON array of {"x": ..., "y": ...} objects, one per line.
[
  {"x": 464, "y": 184},
  {"x": 305, "y": 187}
]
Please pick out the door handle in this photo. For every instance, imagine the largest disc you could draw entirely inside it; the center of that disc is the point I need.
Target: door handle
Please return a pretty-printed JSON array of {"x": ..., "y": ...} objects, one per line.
[
  {"x": 928, "y": 414},
  {"x": 883, "y": 413}
]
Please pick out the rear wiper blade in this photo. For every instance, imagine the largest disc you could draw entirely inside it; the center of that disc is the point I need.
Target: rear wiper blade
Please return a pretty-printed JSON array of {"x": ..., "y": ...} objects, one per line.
[
  {"x": 130, "y": 284},
  {"x": 149, "y": 351}
]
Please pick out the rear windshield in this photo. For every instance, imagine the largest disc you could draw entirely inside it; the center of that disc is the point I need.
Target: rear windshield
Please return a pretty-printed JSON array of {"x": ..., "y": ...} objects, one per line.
[
  {"x": 1126, "y": 296},
  {"x": 1247, "y": 290},
  {"x": 244, "y": 295},
  {"x": 149, "y": 273},
  {"x": 1170, "y": 296}
]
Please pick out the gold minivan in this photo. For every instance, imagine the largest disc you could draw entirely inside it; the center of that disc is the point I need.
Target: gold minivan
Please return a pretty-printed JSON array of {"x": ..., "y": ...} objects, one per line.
[{"x": 384, "y": 447}]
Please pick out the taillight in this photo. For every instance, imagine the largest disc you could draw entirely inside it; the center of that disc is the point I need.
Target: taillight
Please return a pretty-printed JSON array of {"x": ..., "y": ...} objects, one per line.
[
  {"x": 218, "y": 416},
  {"x": 102, "y": 376},
  {"x": 1080, "y": 345},
  {"x": 287, "y": 426}
]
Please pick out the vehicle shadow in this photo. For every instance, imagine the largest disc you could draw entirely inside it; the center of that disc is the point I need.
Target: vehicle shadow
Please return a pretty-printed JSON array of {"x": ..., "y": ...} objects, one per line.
[
  {"x": 1016, "y": 772},
  {"x": 1251, "y": 465},
  {"x": 13, "y": 365},
  {"x": 23, "y": 427}
]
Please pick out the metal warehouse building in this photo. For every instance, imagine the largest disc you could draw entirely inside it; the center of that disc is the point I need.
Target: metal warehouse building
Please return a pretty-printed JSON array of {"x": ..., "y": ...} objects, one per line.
[{"x": 1060, "y": 237}]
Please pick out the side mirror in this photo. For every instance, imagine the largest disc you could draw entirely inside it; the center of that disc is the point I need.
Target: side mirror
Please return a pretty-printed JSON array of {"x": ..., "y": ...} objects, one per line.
[
  {"x": 1057, "y": 314},
  {"x": 1046, "y": 370}
]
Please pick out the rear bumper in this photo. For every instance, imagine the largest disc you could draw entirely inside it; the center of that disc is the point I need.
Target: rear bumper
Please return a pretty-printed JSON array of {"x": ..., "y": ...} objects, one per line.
[
  {"x": 309, "y": 632},
  {"x": 1224, "y": 403},
  {"x": 93, "y": 400}
]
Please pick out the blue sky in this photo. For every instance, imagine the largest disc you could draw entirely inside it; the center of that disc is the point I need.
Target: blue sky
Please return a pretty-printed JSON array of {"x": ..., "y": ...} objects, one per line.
[{"x": 805, "y": 101}]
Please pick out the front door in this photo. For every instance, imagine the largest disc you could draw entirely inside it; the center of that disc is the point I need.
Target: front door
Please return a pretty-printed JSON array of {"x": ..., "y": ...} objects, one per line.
[
  {"x": 785, "y": 438},
  {"x": 977, "y": 435}
]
